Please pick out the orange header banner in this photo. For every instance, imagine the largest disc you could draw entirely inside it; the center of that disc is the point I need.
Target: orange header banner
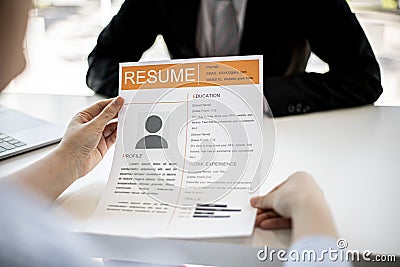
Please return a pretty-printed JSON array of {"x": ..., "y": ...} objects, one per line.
[{"x": 222, "y": 73}]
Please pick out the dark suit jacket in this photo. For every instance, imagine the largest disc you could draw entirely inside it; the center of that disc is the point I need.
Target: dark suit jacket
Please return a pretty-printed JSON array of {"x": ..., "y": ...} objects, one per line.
[{"x": 284, "y": 31}]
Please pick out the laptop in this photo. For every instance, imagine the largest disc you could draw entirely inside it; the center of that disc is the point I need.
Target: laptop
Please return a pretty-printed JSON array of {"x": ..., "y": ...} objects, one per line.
[{"x": 20, "y": 133}]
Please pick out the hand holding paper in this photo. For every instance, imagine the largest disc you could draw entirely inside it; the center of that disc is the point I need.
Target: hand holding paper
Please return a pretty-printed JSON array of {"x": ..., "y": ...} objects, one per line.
[{"x": 89, "y": 134}]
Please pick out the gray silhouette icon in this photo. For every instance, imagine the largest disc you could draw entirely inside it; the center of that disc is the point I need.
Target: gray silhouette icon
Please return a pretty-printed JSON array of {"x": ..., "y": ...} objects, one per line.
[{"x": 153, "y": 125}]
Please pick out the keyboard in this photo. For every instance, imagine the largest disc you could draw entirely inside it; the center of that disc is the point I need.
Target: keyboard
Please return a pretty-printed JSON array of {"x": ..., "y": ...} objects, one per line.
[{"x": 9, "y": 143}]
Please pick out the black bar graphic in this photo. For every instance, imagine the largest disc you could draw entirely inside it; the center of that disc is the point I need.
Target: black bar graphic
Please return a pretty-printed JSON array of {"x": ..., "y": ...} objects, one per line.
[
  {"x": 212, "y": 209},
  {"x": 211, "y": 216},
  {"x": 203, "y": 212},
  {"x": 212, "y": 205}
]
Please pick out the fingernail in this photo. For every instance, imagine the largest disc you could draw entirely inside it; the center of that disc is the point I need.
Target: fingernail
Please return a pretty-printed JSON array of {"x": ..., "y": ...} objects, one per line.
[
  {"x": 254, "y": 201},
  {"x": 118, "y": 100}
]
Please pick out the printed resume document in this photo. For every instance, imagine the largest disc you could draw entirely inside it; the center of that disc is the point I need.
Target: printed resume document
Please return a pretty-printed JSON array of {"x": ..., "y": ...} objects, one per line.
[{"x": 188, "y": 150}]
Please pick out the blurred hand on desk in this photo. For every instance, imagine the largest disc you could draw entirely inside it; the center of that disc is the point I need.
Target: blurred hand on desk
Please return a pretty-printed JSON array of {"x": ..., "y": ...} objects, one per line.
[{"x": 298, "y": 202}]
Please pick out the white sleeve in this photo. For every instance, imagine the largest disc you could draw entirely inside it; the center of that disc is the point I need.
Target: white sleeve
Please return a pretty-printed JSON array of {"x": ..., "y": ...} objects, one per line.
[
  {"x": 316, "y": 251},
  {"x": 32, "y": 236}
]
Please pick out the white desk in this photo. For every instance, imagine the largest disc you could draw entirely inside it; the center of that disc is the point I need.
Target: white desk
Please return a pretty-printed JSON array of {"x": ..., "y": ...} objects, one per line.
[{"x": 354, "y": 154}]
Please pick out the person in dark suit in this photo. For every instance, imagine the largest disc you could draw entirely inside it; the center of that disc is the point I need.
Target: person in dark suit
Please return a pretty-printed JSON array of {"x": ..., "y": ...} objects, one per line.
[{"x": 285, "y": 32}]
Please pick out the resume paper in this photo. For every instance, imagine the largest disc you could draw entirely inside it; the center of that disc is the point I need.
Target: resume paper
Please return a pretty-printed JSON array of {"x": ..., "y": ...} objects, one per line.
[{"x": 188, "y": 150}]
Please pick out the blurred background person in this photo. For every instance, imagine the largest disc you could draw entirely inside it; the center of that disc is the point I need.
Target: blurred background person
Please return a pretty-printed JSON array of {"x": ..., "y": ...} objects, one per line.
[{"x": 285, "y": 32}]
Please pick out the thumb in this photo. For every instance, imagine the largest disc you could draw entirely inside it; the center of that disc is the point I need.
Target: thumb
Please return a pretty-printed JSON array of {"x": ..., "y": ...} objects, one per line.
[
  {"x": 263, "y": 202},
  {"x": 266, "y": 202},
  {"x": 109, "y": 112}
]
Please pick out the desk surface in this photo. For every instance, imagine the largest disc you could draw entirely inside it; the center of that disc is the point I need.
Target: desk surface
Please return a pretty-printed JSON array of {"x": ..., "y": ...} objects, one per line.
[{"x": 352, "y": 153}]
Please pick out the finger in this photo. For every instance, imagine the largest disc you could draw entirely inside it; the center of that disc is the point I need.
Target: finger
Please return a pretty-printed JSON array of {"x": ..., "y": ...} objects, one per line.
[
  {"x": 266, "y": 201},
  {"x": 110, "y": 129},
  {"x": 264, "y": 216},
  {"x": 263, "y": 202},
  {"x": 109, "y": 112},
  {"x": 102, "y": 146},
  {"x": 263, "y": 210},
  {"x": 276, "y": 187},
  {"x": 91, "y": 112},
  {"x": 276, "y": 223},
  {"x": 97, "y": 107},
  {"x": 269, "y": 214},
  {"x": 112, "y": 138}
]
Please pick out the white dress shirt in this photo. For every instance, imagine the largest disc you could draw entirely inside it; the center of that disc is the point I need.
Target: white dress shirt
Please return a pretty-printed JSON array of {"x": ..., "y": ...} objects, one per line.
[{"x": 204, "y": 37}]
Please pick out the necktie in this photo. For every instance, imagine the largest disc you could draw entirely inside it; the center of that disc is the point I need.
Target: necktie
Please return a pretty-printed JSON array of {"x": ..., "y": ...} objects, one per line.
[{"x": 226, "y": 30}]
